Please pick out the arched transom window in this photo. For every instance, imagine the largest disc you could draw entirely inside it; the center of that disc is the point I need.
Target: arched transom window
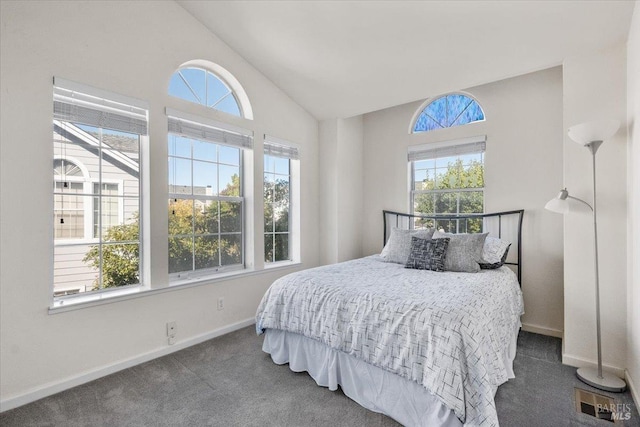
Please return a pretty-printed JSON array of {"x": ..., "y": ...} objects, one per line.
[
  {"x": 202, "y": 86},
  {"x": 455, "y": 109},
  {"x": 63, "y": 168}
]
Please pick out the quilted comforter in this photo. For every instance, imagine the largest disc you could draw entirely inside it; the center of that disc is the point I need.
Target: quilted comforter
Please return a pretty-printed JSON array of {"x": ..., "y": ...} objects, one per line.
[{"x": 447, "y": 331}]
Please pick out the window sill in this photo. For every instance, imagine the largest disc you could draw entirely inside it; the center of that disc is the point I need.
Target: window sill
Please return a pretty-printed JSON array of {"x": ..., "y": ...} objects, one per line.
[
  {"x": 210, "y": 278},
  {"x": 95, "y": 299},
  {"x": 278, "y": 264}
]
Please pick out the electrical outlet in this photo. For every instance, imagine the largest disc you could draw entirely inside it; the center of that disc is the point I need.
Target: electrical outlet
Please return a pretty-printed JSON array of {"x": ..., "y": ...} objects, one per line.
[
  {"x": 172, "y": 329},
  {"x": 172, "y": 340},
  {"x": 221, "y": 303}
]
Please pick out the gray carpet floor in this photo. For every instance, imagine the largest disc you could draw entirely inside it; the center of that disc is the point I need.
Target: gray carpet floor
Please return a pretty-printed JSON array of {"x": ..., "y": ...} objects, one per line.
[{"x": 229, "y": 381}]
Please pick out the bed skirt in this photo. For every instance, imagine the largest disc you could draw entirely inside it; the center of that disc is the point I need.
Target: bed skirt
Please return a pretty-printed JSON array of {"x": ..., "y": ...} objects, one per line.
[{"x": 373, "y": 388}]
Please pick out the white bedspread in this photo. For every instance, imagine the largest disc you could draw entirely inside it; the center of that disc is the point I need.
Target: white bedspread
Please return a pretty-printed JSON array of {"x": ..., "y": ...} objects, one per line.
[{"x": 446, "y": 331}]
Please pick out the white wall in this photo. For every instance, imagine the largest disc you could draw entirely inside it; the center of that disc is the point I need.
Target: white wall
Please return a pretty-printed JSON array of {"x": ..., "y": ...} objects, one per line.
[
  {"x": 523, "y": 170},
  {"x": 350, "y": 184},
  {"x": 130, "y": 48},
  {"x": 341, "y": 177},
  {"x": 633, "y": 212},
  {"x": 595, "y": 88},
  {"x": 328, "y": 203}
]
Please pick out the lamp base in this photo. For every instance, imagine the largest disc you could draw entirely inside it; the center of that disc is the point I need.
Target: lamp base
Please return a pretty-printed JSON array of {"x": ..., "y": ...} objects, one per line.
[{"x": 608, "y": 382}]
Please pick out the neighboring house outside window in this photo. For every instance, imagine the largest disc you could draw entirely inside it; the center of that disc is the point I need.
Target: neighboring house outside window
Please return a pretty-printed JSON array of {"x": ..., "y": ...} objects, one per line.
[
  {"x": 448, "y": 180},
  {"x": 96, "y": 147},
  {"x": 68, "y": 203},
  {"x": 106, "y": 208}
]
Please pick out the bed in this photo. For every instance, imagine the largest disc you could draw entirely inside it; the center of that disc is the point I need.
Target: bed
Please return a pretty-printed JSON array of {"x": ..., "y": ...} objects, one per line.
[{"x": 426, "y": 348}]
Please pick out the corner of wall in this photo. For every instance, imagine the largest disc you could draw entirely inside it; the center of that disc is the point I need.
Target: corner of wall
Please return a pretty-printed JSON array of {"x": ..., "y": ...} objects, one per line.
[{"x": 633, "y": 208}]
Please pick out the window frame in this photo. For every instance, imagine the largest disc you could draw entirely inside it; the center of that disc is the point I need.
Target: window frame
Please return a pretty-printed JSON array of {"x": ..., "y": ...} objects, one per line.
[
  {"x": 447, "y": 149},
  {"x": 418, "y": 113},
  {"x": 222, "y": 134},
  {"x": 227, "y": 79},
  {"x": 282, "y": 148},
  {"x": 273, "y": 233},
  {"x": 197, "y": 273},
  {"x": 71, "y": 100}
]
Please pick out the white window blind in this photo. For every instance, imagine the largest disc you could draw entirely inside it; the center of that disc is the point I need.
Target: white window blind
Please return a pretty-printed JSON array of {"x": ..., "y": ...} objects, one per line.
[
  {"x": 450, "y": 149},
  {"x": 76, "y": 103},
  {"x": 204, "y": 132},
  {"x": 278, "y": 148}
]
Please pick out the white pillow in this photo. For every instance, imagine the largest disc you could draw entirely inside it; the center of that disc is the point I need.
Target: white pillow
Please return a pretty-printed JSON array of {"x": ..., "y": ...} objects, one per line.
[
  {"x": 494, "y": 252},
  {"x": 464, "y": 252},
  {"x": 398, "y": 246}
]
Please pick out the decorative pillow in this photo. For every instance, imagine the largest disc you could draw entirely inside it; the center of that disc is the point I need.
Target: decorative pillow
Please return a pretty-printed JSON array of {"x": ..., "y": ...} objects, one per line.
[
  {"x": 464, "y": 252},
  {"x": 427, "y": 254},
  {"x": 399, "y": 244},
  {"x": 494, "y": 253}
]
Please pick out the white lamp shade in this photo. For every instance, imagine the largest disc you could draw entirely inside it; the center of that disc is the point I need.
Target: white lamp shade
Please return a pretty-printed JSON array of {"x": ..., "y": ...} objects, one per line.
[
  {"x": 598, "y": 130},
  {"x": 557, "y": 205}
]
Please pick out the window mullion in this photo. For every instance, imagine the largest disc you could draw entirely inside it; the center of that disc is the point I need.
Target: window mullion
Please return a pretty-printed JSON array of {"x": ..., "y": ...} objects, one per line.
[
  {"x": 98, "y": 196},
  {"x": 220, "y": 100},
  {"x": 190, "y": 88},
  {"x": 457, "y": 211}
]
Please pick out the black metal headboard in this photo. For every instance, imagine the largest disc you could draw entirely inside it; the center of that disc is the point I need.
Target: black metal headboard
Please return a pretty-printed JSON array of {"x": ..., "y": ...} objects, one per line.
[{"x": 504, "y": 225}]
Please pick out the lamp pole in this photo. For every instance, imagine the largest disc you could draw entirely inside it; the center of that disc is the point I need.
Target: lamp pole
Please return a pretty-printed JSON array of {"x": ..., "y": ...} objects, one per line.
[
  {"x": 593, "y": 147},
  {"x": 595, "y": 377}
]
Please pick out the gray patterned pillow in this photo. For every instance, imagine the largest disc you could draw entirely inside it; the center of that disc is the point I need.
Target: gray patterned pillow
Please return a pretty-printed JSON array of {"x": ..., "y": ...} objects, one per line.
[
  {"x": 399, "y": 244},
  {"x": 464, "y": 252},
  {"x": 494, "y": 253},
  {"x": 427, "y": 254}
]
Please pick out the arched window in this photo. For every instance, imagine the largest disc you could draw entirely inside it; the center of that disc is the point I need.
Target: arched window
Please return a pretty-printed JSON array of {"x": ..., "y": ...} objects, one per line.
[
  {"x": 455, "y": 109},
  {"x": 208, "y": 84},
  {"x": 63, "y": 168},
  {"x": 69, "y": 179}
]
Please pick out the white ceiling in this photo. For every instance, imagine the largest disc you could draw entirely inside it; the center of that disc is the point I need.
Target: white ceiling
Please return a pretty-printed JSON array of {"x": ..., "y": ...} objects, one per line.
[{"x": 343, "y": 58}]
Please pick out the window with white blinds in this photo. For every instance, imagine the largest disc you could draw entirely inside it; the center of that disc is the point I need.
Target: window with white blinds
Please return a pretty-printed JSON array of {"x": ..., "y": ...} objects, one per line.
[
  {"x": 448, "y": 179},
  {"x": 206, "y": 227},
  {"x": 97, "y": 142},
  {"x": 278, "y": 236}
]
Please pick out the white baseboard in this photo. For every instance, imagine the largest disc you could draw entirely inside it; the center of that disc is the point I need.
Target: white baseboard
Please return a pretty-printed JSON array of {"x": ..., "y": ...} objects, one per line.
[
  {"x": 579, "y": 362},
  {"x": 65, "y": 384},
  {"x": 542, "y": 330},
  {"x": 632, "y": 388}
]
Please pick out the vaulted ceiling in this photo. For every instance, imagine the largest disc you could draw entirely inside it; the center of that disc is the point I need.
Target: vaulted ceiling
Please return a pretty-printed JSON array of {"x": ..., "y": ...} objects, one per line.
[{"x": 343, "y": 58}]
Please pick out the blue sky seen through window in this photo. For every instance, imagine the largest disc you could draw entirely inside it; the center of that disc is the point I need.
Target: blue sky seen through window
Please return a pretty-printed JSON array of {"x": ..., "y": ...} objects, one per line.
[
  {"x": 200, "y": 164},
  {"x": 448, "y": 111},
  {"x": 203, "y": 87}
]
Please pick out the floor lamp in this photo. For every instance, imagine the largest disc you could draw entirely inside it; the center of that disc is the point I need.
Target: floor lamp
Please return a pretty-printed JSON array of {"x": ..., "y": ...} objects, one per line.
[{"x": 591, "y": 135}]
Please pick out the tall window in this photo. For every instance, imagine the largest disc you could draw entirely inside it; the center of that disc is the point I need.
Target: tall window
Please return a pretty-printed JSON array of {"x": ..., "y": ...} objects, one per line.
[
  {"x": 97, "y": 194},
  {"x": 277, "y": 202},
  {"x": 448, "y": 180},
  {"x": 206, "y": 203},
  {"x": 446, "y": 111},
  {"x": 202, "y": 86}
]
